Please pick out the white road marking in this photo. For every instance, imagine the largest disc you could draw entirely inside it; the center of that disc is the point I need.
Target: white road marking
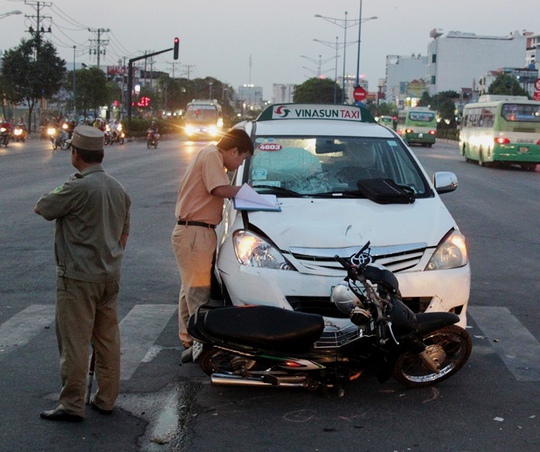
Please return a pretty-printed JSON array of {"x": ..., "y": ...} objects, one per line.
[
  {"x": 138, "y": 332},
  {"x": 22, "y": 327},
  {"x": 516, "y": 346}
]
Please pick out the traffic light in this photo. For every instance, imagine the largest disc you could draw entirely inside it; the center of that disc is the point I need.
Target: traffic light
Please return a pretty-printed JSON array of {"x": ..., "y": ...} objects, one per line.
[{"x": 176, "y": 46}]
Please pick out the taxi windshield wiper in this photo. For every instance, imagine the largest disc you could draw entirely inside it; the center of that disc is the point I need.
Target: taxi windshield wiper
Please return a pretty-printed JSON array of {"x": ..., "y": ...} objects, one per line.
[
  {"x": 272, "y": 189},
  {"x": 339, "y": 194}
]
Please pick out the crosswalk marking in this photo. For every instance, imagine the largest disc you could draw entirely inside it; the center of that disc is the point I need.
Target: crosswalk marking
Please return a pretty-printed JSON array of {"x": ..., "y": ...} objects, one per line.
[
  {"x": 516, "y": 346},
  {"x": 22, "y": 327},
  {"x": 138, "y": 332},
  {"x": 140, "y": 329}
]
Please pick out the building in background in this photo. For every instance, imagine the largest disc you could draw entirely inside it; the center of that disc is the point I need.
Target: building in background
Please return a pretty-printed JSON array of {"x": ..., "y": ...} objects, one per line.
[
  {"x": 532, "y": 58},
  {"x": 282, "y": 93},
  {"x": 250, "y": 97},
  {"x": 456, "y": 60},
  {"x": 400, "y": 71}
]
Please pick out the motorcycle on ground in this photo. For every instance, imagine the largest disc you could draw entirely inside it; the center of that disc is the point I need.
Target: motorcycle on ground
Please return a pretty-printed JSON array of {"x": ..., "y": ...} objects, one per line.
[{"x": 270, "y": 346}]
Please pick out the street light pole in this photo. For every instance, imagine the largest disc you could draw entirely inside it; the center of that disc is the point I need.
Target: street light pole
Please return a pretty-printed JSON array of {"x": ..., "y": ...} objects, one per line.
[
  {"x": 360, "y": 21},
  {"x": 346, "y": 23},
  {"x": 10, "y": 13},
  {"x": 334, "y": 46},
  {"x": 319, "y": 62},
  {"x": 74, "y": 108}
]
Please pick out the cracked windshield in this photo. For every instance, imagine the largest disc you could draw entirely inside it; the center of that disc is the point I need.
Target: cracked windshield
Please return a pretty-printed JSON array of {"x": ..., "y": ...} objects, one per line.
[{"x": 329, "y": 166}]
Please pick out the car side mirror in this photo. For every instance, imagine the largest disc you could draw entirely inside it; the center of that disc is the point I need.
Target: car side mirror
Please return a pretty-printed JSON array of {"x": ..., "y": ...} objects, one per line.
[{"x": 445, "y": 182}]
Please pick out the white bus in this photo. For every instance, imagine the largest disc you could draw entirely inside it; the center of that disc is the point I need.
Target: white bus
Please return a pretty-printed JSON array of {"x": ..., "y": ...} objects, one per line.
[
  {"x": 203, "y": 119},
  {"x": 502, "y": 130}
]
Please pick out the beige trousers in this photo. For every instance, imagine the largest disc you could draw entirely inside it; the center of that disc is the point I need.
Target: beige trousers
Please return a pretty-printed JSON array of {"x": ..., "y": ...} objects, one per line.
[
  {"x": 87, "y": 312},
  {"x": 194, "y": 248}
]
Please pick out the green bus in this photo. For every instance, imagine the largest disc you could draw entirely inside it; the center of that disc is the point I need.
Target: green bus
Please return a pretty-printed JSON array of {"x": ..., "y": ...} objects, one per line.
[
  {"x": 417, "y": 126},
  {"x": 503, "y": 130}
]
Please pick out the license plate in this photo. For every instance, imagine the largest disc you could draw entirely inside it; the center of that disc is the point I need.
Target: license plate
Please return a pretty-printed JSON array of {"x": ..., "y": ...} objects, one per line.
[{"x": 523, "y": 149}]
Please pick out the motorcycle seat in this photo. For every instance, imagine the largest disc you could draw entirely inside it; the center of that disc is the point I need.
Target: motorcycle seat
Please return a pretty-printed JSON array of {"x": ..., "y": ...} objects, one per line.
[{"x": 266, "y": 327}]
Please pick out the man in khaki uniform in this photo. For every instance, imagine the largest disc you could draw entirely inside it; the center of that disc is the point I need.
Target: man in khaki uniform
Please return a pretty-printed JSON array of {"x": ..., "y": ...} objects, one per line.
[
  {"x": 92, "y": 217},
  {"x": 199, "y": 208}
]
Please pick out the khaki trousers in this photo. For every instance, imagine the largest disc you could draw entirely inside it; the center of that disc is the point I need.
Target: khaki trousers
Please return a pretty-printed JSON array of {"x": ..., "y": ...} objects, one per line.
[
  {"x": 87, "y": 312},
  {"x": 194, "y": 248}
]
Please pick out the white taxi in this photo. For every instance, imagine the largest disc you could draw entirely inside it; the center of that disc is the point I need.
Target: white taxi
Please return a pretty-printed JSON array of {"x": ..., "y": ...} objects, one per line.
[{"x": 340, "y": 180}]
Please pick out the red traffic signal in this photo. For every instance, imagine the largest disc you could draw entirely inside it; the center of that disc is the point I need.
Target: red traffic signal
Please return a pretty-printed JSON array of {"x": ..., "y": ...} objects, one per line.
[{"x": 176, "y": 48}]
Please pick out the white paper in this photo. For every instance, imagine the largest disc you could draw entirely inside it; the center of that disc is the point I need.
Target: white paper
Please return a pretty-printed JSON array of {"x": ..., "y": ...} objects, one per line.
[{"x": 249, "y": 199}]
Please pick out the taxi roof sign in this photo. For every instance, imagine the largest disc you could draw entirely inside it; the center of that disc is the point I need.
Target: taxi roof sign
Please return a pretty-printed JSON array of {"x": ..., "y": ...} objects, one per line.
[{"x": 316, "y": 111}]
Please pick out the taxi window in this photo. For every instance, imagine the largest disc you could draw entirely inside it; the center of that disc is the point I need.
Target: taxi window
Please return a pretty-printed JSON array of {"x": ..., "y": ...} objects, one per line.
[{"x": 330, "y": 165}]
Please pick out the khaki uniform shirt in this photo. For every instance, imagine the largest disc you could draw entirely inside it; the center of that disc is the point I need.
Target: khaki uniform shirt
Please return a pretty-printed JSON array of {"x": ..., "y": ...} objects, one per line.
[
  {"x": 195, "y": 201},
  {"x": 91, "y": 211}
]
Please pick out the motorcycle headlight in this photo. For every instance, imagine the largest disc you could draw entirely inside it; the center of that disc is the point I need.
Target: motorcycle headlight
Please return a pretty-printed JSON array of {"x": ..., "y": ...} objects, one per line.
[
  {"x": 451, "y": 253},
  {"x": 254, "y": 251},
  {"x": 51, "y": 130},
  {"x": 3, "y": 129}
]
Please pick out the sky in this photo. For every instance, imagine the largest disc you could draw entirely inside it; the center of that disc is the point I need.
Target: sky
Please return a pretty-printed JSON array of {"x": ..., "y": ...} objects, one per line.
[{"x": 261, "y": 42}]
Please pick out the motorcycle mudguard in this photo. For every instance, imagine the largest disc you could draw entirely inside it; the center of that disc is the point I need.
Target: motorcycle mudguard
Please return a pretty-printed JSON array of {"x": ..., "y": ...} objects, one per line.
[{"x": 433, "y": 321}]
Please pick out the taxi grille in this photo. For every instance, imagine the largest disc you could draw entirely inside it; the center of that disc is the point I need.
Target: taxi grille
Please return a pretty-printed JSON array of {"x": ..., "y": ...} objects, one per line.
[
  {"x": 395, "y": 258},
  {"x": 323, "y": 305}
]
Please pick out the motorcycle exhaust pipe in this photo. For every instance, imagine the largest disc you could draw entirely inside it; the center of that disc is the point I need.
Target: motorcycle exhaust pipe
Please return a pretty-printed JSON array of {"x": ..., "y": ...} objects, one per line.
[{"x": 235, "y": 380}]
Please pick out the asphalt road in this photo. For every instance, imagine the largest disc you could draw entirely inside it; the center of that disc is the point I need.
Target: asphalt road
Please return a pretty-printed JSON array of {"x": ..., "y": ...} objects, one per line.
[{"x": 491, "y": 405}]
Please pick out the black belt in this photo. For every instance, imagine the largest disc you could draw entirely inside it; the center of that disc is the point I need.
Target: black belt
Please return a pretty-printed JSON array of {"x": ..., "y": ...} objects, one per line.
[{"x": 196, "y": 223}]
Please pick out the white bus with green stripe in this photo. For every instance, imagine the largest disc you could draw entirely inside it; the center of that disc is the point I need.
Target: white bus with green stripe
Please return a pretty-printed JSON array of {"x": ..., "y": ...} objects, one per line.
[{"x": 501, "y": 130}]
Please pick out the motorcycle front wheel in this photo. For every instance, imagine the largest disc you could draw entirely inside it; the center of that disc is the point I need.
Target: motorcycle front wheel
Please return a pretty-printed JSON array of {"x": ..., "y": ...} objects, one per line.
[
  {"x": 64, "y": 145},
  {"x": 452, "y": 341}
]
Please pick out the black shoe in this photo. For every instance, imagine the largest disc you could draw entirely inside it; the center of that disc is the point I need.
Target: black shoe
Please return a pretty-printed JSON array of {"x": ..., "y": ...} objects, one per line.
[
  {"x": 187, "y": 355},
  {"x": 100, "y": 410},
  {"x": 60, "y": 415}
]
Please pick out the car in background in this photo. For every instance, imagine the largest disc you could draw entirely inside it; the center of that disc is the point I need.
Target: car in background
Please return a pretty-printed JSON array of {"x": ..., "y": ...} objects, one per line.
[
  {"x": 387, "y": 121},
  {"x": 325, "y": 164}
]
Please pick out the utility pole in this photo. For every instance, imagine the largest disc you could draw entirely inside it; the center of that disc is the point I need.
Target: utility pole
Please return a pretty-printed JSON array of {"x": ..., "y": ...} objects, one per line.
[
  {"x": 37, "y": 34},
  {"x": 188, "y": 67},
  {"x": 99, "y": 42},
  {"x": 174, "y": 63},
  {"x": 39, "y": 18}
]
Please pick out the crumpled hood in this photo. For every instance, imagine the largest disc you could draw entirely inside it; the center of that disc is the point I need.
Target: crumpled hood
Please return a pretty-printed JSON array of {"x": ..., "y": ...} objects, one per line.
[{"x": 336, "y": 223}]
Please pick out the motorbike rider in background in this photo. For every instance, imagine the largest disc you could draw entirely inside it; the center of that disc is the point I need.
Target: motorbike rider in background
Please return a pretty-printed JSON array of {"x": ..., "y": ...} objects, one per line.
[
  {"x": 152, "y": 134},
  {"x": 5, "y": 127}
]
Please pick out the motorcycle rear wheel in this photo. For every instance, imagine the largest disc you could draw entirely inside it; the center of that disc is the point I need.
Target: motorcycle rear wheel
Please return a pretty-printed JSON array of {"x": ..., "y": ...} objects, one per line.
[{"x": 411, "y": 371}]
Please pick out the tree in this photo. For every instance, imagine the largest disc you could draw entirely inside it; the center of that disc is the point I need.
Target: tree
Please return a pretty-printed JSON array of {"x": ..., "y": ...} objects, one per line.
[
  {"x": 316, "y": 90},
  {"x": 31, "y": 72},
  {"x": 506, "y": 84},
  {"x": 92, "y": 89},
  {"x": 444, "y": 104}
]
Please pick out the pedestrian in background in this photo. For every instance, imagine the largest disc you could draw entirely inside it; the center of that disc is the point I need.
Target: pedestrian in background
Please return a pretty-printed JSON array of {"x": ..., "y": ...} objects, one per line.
[
  {"x": 92, "y": 218},
  {"x": 199, "y": 209}
]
